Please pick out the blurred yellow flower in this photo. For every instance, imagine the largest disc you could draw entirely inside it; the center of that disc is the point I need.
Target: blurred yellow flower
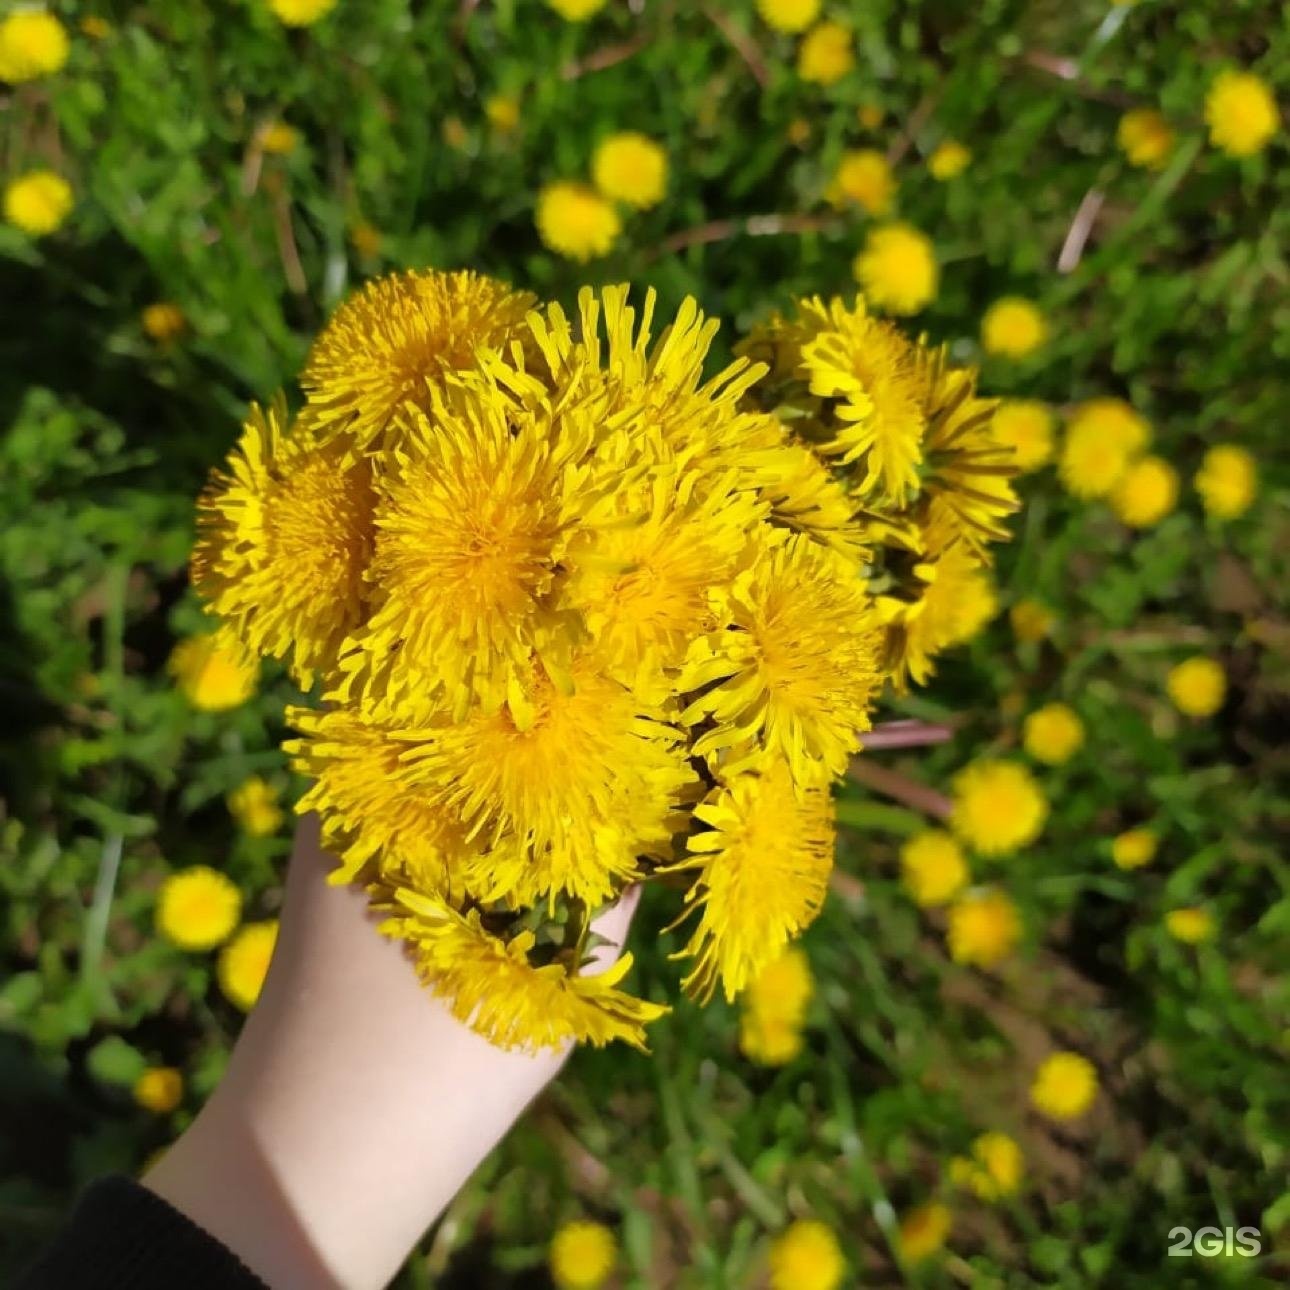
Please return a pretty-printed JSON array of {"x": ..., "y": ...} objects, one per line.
[
  {"x": 869, "y": 115},
  {"x": 1145, "y": 138},
  {"x": 933, "y": 869},
  {"x": 1191, "y": 926},
  {"x": 1227, "y": 481},
  {"x": 1053, "y": 733},
  {"x": 1030, "y": 620},
  {"x": 1241, "y": 113},
  {"x": 1064, "y": 1086},
  {"x": 503, "y": 112},
  {"x": 301, "y": 13},
  {"x": 244, "y": 963},
  {"x": 783, "y": 988},
  {"x": 279, "y": 138},
  {"x": 33, "y": 43},
  {"x": 164, "y": 321},
  {"x": 769, "y": 1040},
  {"x": 1025, "y": 426},
  {"x": 197, "y": 908},
  {"x": 632, "y": 168},
  {"x": 998, "y": 806},
  {"x": 365, "y": 238},
  {"x": 576, "y": 221},
  {"x": 254, "y": 805},
  {"x": 1102, "y": 438},
  {"x": 789, "y": 16},
  {"x": 37, "y": 202},
  {"x": 923, "y": 1231},
  {"x": 806, "y": 1256},
  {"x": 1013, "y": 328},
  {"x": 984, "y": 927},
  {"x": 897, "y": 269},
  {"x": 864, "y": 177},
  {"x": 1146, "y": 493},
  {"x": 825, "y": 55},
  {"x": 1197, "y": 687},
  {"x": 95, "y": 28},
  {"x": 158, "y": 1089},
  {"x": 949, "y": 159},
  {"x": 799, "y": 132},
  {"x": 1134, "y": 848},
  {"x": 454, "y": 132},
  {"x": 213, "y": 672},
  {"x": 582, "y": 1255},
  {"x": 994, "y": 1168}
]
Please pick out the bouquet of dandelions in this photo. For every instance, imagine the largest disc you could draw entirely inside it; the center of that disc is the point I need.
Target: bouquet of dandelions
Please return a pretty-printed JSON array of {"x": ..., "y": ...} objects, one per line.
[{"x": 581, "y": 618}]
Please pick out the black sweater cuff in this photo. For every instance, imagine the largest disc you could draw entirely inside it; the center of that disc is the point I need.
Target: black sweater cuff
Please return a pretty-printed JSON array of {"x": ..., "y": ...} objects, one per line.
[{"x": 121, "y": 1236}]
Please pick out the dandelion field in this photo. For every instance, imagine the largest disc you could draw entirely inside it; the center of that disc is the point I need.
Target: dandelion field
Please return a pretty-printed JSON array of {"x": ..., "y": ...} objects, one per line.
[{"x": 1043, "y": 1016}]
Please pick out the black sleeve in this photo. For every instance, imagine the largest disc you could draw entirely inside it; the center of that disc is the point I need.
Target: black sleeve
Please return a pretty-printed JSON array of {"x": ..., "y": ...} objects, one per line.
[{"x": 121, "y": 1236}]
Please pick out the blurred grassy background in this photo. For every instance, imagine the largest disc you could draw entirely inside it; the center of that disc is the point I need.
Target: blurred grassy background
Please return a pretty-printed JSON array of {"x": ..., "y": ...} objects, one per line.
[{"x": 1175, "y": 300}]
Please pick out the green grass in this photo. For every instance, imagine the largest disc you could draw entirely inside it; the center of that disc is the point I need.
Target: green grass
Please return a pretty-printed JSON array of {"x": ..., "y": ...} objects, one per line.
[{"x": 697, "y": 1157}]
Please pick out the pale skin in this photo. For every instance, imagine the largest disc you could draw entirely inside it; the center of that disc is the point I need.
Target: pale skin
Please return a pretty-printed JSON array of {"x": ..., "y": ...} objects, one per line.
[{"x": 354, "y": 1106}]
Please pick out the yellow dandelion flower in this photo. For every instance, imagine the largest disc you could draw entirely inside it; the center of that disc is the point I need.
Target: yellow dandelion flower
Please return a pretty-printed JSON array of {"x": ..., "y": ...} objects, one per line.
[
  {"x": 1197, "y": 687},
  {"x": 958, "y": 599},
  {"x": 897, "y": 269},
  {"x": 806, "y": 1256},
  {"x": 582, "y": 1255},
  {"x": 783, "y": 988},
  {"x": 38, "y": 202},
  {"x": 399, "y": 339},
  {"x": 279, "y": 138},
  {"x": 490, "y": 982},
  {"x": 254, "y": 805},
  {"x": 1146, "y": 493},
  {"x": 1145, "y": 138},
  {"x": 993, "y": 1170},
  {"x": 984, "y": 927},
  {"x": 869, "y": 115},
  {"x": 799, "y": 132},
  {"x": 631, "y": 167},
  {"x": 1227, "y": 481},
  {"x": 576, "y": 10},
  {"x": 213, "y": 672},
  {"x": 576, "y": 221},
  {"x": 164, "y": 322},
  {"x": 1190, "y": 926},
  {"x": 1134, "y": 848},
  {"x": 864, "y": 178},
  {"x": 95, "y": 28},
  {"x": 769, "y": 1040},
  {"x": 284, "y": 537},
  {"x": 33, "y": 43},
  {"x": 244, "y": 963},
  {"x": 924, "y": 1231},
  {"x": 1241, "y": 113},
  {"x": 301, "y": 13},
  {"x": 368, "y": 810},
  {"x": 159, "y": 1089},
  {"x": 1026, "y": 427},
  {"x": 1102, "y": 438},
  {"x": 1031, "y": 621},
  {"x": 795, "y": 669},
  {"x": 1053, "y": 734},
  {"x": 873, "y": 373},
  {"x": 1064, "y": 1086},
  {"x": 949, "y": 160},
  {"x": 581, "y": 782},
  {"x": 503, "y": 112},
  {"x": 803, "y": 494},
  {"x": 1013, "y": 328},
  {"x": 764, "y": 865},
  {"x": 932, "y": 868},
  {"x": 197, "y": 908},
  {"x": 789, "y": 16},
  {"x": 365, "y": 238},
  {"x": 825, "y": 55},
  {"x": 998, "y": 807}
]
